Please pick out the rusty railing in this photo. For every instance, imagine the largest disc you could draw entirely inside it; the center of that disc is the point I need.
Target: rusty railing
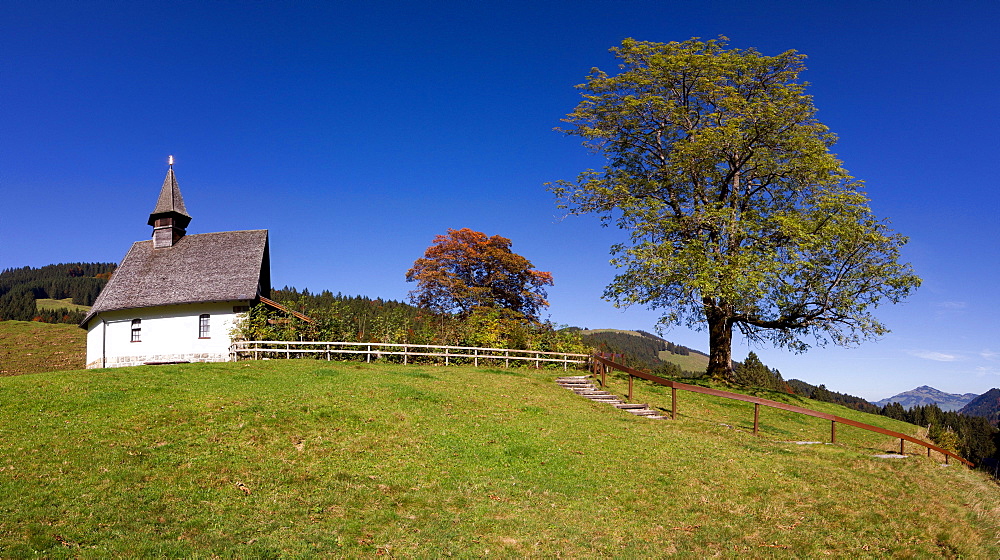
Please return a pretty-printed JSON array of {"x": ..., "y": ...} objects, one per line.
[{"x": 601, "y": 364}]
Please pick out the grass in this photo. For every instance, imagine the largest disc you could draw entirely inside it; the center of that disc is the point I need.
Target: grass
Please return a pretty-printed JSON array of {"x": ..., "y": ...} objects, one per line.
[
  {"x": 307, "y": 458},
  {"x": 66, "y": 303},
  {"x": 32, "y": 347}
]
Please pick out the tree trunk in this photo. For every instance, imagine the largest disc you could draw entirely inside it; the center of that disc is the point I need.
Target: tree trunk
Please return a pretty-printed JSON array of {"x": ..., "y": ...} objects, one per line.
[{"x": 720, "y": 344}]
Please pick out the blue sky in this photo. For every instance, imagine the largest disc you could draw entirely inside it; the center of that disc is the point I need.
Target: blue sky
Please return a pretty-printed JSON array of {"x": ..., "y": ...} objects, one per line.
[{"x": 356, "y": 132}]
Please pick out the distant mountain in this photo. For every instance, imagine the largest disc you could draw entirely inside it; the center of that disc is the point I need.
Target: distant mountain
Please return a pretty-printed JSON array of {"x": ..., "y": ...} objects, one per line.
[
  {"x": 986, "y": 405},
  {"x": 929, "y": 395}
]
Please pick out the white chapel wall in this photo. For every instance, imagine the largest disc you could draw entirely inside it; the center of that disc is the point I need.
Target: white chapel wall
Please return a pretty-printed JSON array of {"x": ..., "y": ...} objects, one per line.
[{"x": 167, "y": 334}]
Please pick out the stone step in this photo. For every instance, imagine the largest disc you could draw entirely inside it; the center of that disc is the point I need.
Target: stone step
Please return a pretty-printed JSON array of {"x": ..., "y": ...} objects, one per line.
[
  {"x": 584, "y": 386},
  {"x": 645, "y": 412},
  {"x": 626, "y": 406}
]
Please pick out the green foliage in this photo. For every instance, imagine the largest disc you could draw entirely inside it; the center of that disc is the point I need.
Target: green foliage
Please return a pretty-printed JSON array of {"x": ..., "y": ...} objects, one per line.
[
  {"x": 948, "y": 440},
  {"x": 18, "y": 304},
  {"x": 256, "y": 325},
  {"x": 361, "y": 319},
  {"x": 670, "y": 369},
  {"x": 753, "y": 373},
  {"x": 970, "y": 436},
  {"x": 739, "y": 215}
]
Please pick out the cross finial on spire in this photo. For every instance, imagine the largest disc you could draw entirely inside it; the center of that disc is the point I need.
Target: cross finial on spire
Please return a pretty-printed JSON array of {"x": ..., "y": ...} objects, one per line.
[{"x": 170, "y": 161}]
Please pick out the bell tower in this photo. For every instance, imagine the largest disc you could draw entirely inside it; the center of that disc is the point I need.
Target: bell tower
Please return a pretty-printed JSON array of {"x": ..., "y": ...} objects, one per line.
[{"x": 169, "y": 219}]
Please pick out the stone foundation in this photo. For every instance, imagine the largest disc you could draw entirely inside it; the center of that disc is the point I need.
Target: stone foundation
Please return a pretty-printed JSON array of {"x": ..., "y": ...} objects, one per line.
[{"x": 127, "y": 361}]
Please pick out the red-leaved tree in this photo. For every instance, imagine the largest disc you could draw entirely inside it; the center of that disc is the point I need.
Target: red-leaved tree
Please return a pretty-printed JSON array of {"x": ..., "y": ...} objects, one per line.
[{"x": 466, "y": 270}]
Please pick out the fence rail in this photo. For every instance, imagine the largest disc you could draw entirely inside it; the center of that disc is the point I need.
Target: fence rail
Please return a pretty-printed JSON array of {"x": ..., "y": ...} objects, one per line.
[
  {"x": 601, "y": 364},
  {"x": 258, "y": 349}
]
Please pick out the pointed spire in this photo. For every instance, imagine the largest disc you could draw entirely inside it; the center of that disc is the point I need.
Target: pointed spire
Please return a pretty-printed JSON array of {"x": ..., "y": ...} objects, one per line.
[
  {"x": 170, "y": 201},
  {"x": 170, "y": 217}
]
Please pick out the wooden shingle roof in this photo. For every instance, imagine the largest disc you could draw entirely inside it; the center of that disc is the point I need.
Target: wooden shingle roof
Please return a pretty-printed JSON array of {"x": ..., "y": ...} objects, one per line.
[
  {"x": 170, "y": 202},
  {"x": 207, "y": 267}
]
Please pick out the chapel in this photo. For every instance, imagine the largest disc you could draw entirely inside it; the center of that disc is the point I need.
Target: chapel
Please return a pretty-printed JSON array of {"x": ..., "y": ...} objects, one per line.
[{"x": 175, "y": 297}]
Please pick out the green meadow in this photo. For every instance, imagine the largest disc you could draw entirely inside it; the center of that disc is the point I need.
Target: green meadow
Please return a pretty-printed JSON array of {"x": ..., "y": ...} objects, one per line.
[
  {"x": 304, "y": 458},
  {"x": 65, "y": 303}
]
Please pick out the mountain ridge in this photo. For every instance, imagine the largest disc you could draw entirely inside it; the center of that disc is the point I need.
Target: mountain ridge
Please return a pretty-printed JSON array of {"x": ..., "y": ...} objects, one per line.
[
  {"x": 986, "y": 405},
  {"x": 925, "y": 394}
]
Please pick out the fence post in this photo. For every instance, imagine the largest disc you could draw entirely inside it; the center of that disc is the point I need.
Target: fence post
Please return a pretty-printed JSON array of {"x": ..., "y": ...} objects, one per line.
[
  {"x": 673, "y": 403},
  {"x": 404, "y": 354},
  {"x": 475, "y": 357},
  {"x": 445, "y": 356},
  {"x": 833, "y": 431},
  {"x": 604, "y": 376},
  {"x": 368, "y": 354},
  {"x": 630, "y": 387},
  {"x": 506, "y": 360},
  {"x": 288, "y": 351},
  {"x": 901, "y": 446},
  {"x": 756, "y": 417}
]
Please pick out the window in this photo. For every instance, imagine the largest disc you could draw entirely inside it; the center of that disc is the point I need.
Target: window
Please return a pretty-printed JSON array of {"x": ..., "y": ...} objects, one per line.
[
  {"x": 136, "y": 330},
  {"x": 203, "y": 326}
]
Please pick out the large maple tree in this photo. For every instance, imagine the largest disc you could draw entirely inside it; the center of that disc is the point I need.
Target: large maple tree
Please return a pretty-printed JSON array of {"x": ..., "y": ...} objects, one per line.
[{"x": 466, "y": 269}]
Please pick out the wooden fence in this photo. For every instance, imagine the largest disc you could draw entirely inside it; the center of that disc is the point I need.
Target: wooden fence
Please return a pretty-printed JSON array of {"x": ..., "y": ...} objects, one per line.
[
  {"x": 257, "y": 349},
  {"x": 601, "y": 364}
]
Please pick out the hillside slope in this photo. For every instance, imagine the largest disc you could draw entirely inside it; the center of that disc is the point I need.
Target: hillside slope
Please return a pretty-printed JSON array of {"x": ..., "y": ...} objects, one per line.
[
  {"x": 647, "y": 349},
  {"x": 307, "y": 458},
  {"x": 986, "y": 405},
  {"x": 32, "y": 347},
  {"x": 78, "y": 282}
]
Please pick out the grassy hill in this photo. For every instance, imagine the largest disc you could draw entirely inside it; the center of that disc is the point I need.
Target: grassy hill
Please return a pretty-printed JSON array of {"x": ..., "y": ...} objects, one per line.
[
  {"x": 691, "y": 362},
  {"x": 32, "y": 347},
  {"x": 339, "y": 459},
  {"x": 65, "y": 303},
  {"x": 646, "y": 348}
]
